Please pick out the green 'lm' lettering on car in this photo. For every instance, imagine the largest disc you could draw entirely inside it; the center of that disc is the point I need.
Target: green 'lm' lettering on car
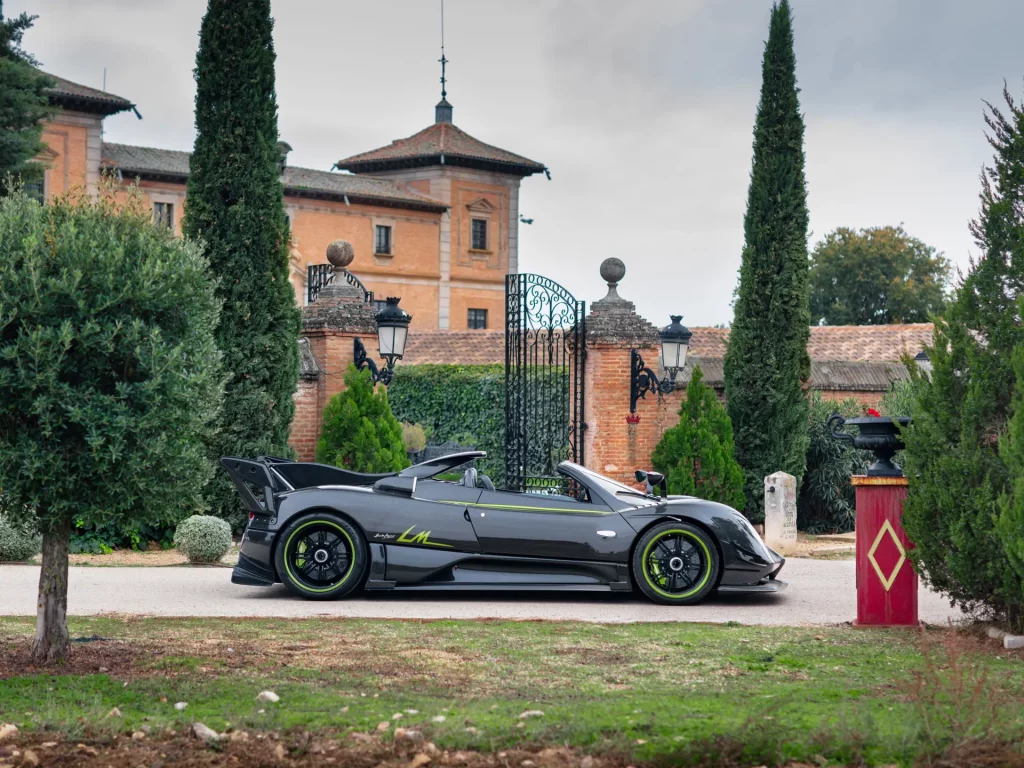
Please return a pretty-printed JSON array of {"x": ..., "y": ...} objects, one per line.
[{"x": 423, "y": 537}]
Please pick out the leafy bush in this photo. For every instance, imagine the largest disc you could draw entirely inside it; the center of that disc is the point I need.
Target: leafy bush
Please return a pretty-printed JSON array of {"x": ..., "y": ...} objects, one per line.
[
  {"x": 99, "y": 537},
  {"x": 414, "y": 437},
  {"x": 359, "y": 432},
  {"x": 457, "y": 403},
  {"x": 109, "y": 372},
  {"x": 696, "y": 456},
  {"x": 19, "y": 540},
  {"x": 203, "y": 538},
  {"x": 826, "y": 501}
]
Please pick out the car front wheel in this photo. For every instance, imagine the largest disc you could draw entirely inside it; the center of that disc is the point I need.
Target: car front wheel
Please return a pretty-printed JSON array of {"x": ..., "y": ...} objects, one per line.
[
  {"x": 676, "y": 564},
  {"x": 321, "y": 556}
]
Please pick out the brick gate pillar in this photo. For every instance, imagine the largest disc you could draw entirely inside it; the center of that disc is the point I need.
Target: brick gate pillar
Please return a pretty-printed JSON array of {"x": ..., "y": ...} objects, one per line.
[
  {"x": 330, "y": 326},
  {"x": 617, "y": 443}
]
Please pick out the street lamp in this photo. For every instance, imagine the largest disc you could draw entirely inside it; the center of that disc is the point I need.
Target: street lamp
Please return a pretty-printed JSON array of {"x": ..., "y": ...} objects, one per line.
[
  {"x": 675, "y": 341},
  {"x": 392, "y": 333}
]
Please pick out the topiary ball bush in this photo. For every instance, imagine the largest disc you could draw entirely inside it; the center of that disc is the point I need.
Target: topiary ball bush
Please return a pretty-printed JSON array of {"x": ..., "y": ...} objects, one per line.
[
  {"x": 18, "y": 543},
  {"x": 203, "y": 539}
]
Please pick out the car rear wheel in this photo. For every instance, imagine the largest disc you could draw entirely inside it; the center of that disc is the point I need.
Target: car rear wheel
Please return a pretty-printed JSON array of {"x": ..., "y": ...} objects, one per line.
[
  {"x": 321, "y": 556},
  {"x": 676, "y": 564}
]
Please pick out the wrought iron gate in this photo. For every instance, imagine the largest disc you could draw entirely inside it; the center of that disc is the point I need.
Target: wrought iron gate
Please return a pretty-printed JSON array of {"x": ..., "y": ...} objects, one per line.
[{"x": 544, "y": 350}]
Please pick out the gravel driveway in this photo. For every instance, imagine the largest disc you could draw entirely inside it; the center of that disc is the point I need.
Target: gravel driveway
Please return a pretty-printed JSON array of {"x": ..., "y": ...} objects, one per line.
[{"x": 820, "y": 592}]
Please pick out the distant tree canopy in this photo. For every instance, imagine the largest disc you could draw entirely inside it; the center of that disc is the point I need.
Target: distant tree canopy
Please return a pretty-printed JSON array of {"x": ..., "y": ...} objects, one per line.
[
  {"x": 876, "y": 276},
  {"x": 23, "y": 104}
]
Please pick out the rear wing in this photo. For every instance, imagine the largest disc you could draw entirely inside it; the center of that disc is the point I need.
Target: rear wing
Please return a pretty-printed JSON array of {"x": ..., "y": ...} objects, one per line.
[
  {"x": 255, "y": 483},
  {"x": 257, "y": 480}
]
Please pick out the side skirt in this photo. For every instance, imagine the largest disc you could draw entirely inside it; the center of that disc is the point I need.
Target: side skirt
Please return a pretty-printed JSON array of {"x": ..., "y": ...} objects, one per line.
[{"x": 418, "y": 568}]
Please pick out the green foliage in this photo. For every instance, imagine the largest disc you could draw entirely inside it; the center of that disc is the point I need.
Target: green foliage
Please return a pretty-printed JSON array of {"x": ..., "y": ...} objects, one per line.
[
  {"x": 106, "y": 536},
  {"x": 876, "y": 276},
  {"x": 456, "y": 402},
  {"x": 766, "y": 363},
  {"x": 108, "y": 363},
  {"x": 696, "y": 456},
  {"x": 359, "y": 432},
  {"x": 957, "y": 472},
  {"x": 23, "y": 104},
  {"x": 1010, "y": 524},
  {"x": 235, "y": 206},
  {"x": 826, "y": 501},
  {"x": 203, "y": 538},
  {"x": 19, "y": 539}
]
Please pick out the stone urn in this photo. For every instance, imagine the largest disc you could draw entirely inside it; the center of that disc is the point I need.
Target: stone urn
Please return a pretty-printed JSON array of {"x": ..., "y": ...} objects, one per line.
[{"x": 878, "y": 434}]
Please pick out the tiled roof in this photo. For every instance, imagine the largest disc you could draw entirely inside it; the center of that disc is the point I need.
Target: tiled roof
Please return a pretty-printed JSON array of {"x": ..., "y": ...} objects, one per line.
[
  {"x": 440, "y": 143},
  {"x": 880, "y": 344},
  {"x": 301, "y": 182},
  {"x": 826, "y": 375},
  {"x": 455, "y": 347},
  {"x": 866, "y": 343},
  {"x": 81, "y": 97}
]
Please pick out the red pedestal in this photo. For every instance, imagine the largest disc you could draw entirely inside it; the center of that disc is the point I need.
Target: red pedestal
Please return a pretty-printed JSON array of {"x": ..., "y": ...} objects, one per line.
[{"x": 886, "y": 580}]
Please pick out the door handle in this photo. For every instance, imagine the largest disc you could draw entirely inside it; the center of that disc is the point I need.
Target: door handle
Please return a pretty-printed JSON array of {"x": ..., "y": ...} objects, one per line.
[{"x": 465, "y": 514}]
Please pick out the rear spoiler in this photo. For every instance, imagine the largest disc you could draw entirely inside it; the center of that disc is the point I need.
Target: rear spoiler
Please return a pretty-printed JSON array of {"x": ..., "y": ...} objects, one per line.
[{"x": 247, "y": 475}]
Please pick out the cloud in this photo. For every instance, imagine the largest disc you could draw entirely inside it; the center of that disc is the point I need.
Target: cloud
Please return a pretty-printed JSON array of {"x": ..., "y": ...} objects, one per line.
[{"x": 643, "y": 111}]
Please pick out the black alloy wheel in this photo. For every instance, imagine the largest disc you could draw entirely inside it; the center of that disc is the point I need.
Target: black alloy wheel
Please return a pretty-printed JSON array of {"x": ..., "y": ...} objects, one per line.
[
  {"x": 676, "y": 563},
  {"x": 321, "y": 556}
]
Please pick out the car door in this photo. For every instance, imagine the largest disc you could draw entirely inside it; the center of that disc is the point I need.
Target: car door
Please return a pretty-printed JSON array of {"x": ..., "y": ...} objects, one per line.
[{"x": 538, "y": 525}]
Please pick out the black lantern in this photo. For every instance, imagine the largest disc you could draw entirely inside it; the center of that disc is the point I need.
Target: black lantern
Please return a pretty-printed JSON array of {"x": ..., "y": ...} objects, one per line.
[
  {"x": 675, "y": 341},
  {"x": 392, "y": 333}
]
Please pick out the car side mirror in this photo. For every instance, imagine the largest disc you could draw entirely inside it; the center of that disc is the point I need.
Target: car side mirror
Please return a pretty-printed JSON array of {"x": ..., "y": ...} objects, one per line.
[{"x": 652, "y": 479}]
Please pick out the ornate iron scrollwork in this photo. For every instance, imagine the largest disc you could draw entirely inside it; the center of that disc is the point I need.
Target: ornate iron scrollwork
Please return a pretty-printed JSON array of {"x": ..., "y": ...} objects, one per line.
[
  {"x": 643, "y": 380},
  {"x": 361, "y": 361},
  {"x": 544, "y": 351}
]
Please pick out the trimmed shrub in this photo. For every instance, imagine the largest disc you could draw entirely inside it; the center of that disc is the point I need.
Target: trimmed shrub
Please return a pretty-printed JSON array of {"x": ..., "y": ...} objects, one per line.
[
  {"x": 18, "y": 542},
  {"x": 826, "y": 501},
  {"x": 359, "y": 432},
  {"x": 203, "y": 538},
  {"x": 696, "y": 456},
  {"x": 414, "y": 437}
]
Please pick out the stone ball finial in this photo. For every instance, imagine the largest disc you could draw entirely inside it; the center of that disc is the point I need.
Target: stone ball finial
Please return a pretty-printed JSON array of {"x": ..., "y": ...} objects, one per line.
[
  {"x": 612, "y": 271},
  {"x": 340, "y": 253}
]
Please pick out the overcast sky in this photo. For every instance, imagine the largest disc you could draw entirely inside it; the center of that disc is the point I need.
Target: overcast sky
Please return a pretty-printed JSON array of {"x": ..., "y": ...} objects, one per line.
[{"x": 642, "y": 110}]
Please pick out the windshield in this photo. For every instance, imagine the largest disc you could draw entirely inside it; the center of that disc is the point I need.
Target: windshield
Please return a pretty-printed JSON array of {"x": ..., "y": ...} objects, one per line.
[{"x": 608, "y": 485}]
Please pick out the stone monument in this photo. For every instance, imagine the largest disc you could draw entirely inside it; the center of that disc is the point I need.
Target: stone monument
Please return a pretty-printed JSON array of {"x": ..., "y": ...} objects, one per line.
[{"x": 780, "y": 512}]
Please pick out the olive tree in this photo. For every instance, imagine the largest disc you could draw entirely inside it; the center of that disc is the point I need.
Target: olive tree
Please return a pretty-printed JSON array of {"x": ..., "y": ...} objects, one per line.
[{"x": 109, "y": 374}]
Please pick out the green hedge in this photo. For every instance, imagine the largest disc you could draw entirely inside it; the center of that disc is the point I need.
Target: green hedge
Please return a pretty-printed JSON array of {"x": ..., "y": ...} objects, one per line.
[{"x": 464, "y": 403}]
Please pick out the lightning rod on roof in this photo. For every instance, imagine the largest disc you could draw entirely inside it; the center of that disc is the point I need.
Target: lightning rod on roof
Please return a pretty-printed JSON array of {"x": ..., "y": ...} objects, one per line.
[
  {"x": 443, "y": 110},
  {"x": 442, "y": 60}
]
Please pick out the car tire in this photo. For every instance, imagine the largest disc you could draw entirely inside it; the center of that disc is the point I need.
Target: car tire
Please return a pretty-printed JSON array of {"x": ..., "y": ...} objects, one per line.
[
  {"x": 321, "y": 556},
  {"x": 676, "y": 563}
]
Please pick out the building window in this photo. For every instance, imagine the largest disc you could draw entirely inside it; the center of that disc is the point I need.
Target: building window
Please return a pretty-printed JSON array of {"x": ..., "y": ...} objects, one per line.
[
  {"x": 163, "y": 215},
  {"x": 34, "y": 189},
  {"x": 477, "y": 319},
  {"x": 479, "y": 239},
  {"x": 382, "y": 241}
]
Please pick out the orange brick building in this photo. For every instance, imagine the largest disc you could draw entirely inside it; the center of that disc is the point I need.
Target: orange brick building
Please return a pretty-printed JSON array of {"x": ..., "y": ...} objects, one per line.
[{"x": 433, "y": 217}]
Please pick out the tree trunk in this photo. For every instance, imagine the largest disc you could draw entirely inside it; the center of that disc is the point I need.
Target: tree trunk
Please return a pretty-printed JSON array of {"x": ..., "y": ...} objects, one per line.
[{"x": 51, "y": 643}]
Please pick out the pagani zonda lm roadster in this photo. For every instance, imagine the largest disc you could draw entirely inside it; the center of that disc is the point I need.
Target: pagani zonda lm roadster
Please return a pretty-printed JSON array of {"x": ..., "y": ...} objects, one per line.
[{"x": 325, "y": 532}]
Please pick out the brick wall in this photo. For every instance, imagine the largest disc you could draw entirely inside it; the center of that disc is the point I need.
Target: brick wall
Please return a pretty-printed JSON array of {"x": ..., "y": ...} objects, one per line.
[{"x": 306, "y": 424}]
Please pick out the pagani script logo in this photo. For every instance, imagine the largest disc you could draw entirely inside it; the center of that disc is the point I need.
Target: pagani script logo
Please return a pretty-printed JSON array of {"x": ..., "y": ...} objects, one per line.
[
  {"x": 423, "y": 537},
  {"x": 385, "y": 536}
]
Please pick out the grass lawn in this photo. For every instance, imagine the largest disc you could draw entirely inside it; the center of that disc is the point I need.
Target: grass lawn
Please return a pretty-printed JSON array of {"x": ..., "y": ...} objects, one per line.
[{"x": 643, "y": 693}]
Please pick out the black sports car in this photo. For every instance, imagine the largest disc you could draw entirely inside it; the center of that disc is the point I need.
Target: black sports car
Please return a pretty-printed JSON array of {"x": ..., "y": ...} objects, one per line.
[{"x": 325, "y": 531}]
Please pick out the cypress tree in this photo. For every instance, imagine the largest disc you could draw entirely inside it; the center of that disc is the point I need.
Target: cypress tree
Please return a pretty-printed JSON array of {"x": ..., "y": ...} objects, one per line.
[
  {"x": 23, "y": 103},
  {"x": 235, "y": 205},
  {"x": 766, "y": 364}
]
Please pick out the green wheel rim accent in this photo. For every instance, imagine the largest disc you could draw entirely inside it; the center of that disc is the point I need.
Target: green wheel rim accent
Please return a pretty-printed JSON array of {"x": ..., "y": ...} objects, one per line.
[
  {"x": 351, "y": 560},
  {"x": 647, "y": 561}
]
